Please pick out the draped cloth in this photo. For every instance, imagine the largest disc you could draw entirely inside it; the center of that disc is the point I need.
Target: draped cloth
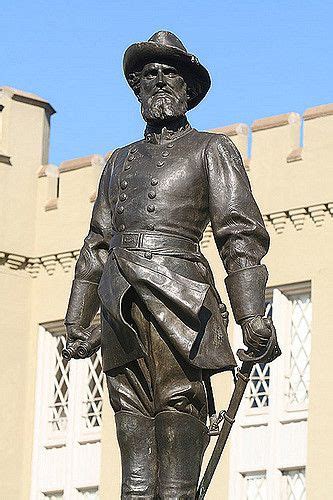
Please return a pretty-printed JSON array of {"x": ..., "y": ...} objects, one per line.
[{"x": 179, "y": 292}]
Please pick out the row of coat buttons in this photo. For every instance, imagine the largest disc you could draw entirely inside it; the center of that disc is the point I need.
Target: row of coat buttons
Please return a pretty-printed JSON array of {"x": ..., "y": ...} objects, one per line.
[{"x": 124, "y": 184}]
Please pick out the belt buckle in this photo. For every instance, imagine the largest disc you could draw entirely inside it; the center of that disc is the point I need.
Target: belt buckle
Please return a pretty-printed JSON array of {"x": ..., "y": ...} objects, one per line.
[{"x": 130, "y": 240}]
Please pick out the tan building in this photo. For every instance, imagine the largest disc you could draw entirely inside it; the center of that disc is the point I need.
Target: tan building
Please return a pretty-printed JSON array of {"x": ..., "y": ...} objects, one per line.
[{"x": 57, "y": 433}]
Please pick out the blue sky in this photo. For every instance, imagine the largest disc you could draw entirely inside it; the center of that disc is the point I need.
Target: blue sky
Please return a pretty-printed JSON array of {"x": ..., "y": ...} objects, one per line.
[{"x": 265, "y": 57}]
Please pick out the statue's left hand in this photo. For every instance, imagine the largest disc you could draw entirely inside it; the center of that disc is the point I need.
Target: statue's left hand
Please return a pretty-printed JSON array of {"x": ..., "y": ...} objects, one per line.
[{"x": 256, "y": 333}]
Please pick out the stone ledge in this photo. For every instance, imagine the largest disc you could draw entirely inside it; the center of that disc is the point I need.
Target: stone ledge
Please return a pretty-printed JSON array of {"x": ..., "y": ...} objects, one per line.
[
  {"x": 318, "y": 111},
  {"x": 48, "y": 170},
  {"x": 28, "y": 98},
  {"x": 4, "y": 158},
  {"x": 233, "y": 129},
  {"x": 76, "y": 163},
  {"x": 295, "y": 155},
  {"x": 51, "y": 204},
  {"x": 92, "y": 197},
  {"x": 42, "y": 171},
  {"x": 275, "y": 121}
]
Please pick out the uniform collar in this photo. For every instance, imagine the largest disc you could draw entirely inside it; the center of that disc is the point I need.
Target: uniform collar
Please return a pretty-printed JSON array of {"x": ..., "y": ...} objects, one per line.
[{"x": 160, "y": 135}]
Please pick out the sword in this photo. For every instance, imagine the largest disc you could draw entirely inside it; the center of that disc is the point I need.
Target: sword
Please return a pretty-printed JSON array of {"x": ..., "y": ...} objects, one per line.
[{"x": 228, "y": 417}]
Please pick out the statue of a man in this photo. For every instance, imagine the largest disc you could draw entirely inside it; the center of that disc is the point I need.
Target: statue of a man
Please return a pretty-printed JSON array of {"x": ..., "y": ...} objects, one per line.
[{"x": 163, "y": 324}]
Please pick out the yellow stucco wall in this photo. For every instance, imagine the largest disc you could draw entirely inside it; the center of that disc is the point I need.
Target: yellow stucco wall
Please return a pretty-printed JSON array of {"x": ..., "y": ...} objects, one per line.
[{"x": 38, "y": 225}]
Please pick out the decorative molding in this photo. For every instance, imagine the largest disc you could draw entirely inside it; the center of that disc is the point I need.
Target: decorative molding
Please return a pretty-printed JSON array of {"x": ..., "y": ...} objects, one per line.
[
  {"x": 28, "y": 98},
  {"x": 33, "y": 265},
  {"x": 298, "y": 216},
  {"x": 278, "y": 220},
  {"x": 4, "y": 158},
  {"x": 233, "y": 129},
  {"x": 275, "y": 121},
  {"x": 207, "y": 236},
  {"x": 295, "y": 155},
  {"x": 318, "y": 111}
]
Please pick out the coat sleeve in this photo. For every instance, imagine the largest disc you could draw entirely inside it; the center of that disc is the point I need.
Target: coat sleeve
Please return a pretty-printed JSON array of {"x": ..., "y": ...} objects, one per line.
[
  {"x": 95, "y": 248},
  {"x": 84, "y": 301},
  {"x": 238, "y": 228}
]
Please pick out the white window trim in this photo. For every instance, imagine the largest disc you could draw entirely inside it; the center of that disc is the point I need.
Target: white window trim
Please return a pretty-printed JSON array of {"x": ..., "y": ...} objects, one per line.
[
  {"x": 277, "y": 412},
  {"x": 75, "y": 435}
]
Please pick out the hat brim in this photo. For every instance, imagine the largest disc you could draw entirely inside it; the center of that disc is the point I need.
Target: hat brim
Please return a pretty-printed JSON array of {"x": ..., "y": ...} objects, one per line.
[{"x": 195, "y": 75}]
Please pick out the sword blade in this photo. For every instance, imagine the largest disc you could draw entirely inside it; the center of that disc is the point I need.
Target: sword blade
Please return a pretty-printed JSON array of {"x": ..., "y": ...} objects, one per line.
[{"x": 229, "y": 417}]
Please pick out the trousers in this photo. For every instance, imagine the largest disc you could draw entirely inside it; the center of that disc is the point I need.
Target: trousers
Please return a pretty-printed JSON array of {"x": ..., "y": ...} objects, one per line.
[
  {"x": 161, "y": 380},
  {"x": 160, "y": 410}
]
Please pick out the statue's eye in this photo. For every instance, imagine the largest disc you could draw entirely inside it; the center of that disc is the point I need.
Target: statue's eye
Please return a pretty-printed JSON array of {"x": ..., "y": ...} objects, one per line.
[
  {"x": 170, "y": 72},
  {"x": 151, "y": 74}
]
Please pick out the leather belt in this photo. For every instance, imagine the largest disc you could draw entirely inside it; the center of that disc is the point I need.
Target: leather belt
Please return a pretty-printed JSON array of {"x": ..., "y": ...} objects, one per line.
[{"x": 152, "y": 241}]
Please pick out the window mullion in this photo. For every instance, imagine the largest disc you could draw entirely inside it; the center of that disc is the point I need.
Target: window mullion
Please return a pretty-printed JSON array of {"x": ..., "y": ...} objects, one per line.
[{"x": 281, "y": 310}]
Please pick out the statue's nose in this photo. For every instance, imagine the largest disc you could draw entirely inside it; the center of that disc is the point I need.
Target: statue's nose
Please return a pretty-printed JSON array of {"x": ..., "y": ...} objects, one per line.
[{"x": 160, "y": 79}]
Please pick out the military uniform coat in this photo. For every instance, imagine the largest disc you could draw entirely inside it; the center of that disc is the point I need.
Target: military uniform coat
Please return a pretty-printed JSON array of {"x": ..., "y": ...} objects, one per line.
[{"x": 174, "y": 183}]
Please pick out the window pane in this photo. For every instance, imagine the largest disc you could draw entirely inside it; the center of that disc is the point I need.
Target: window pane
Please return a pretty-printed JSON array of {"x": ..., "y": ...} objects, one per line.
[
  {"x": 299, "y": 363},
  {"x": 258, "y": 393},
  {"x": 259, "y": 386},
  {"x": 92, "y": 405},
  {"x": 58, "y": 407},
  {"x": 256, "y": 486},
  {"x": 295, "y": 484}
]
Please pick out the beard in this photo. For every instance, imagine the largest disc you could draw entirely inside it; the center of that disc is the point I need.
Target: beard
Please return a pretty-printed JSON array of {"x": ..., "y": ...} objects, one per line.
[{"x": 161, "y": 108}]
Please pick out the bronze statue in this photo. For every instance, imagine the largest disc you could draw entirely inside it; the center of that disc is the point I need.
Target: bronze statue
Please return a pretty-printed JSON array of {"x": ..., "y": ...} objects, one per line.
[{"x": 163, "y": 324}]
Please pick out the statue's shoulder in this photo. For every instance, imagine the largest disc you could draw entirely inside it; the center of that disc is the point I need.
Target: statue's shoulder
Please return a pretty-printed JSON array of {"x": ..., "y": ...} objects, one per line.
[
  {"x": 210, "y": 138},
  {"x": 123, "y": 151}
]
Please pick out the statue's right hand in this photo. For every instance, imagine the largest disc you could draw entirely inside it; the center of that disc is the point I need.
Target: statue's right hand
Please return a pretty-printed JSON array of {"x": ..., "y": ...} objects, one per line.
[
  {"x": 75, "y": 335},
  {"x": 82, "y": 343}
]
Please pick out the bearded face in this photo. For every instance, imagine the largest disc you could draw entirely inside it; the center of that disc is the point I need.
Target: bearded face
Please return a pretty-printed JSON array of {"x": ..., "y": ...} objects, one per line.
[{"x": 163, "y": 94}]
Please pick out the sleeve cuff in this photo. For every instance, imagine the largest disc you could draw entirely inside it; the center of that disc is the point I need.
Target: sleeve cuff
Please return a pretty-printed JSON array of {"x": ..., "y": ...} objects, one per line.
[
  {"x": 246, "y": 291},
  {"x": 83, "y": 303}
]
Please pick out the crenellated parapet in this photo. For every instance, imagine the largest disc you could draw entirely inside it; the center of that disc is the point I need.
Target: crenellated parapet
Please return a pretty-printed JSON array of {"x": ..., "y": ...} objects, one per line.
[
  {"x": 288, "y": 158},
  {"x": 288, "y": 164}
]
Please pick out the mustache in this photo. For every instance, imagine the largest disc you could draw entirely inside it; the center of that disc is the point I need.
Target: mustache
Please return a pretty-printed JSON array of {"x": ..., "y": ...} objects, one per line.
[{"x": 162, "y": 91}]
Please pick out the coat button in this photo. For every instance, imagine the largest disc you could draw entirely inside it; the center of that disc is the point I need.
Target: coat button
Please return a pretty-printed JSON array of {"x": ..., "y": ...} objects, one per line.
[
  {"x": 170, "y": 145},
  {"x": 165, "y": 154},
  {"x": 151, "y": 208},
  {"x": 148, "y": 255},
  {"x": 151, "y": 227},
  {"x": 122, "y": 196},
  {"x": 127, "y": 166},
  {"x": 160, "y": 164},
  {"x": 120, "y": 209},
  {"x": 123, "y": 184},
  {"x": 130, "y": 158},
  {"x": 151, "y": 195},
  {"x": 133, "y": 150},
  {"x": 154, "y": 182},
  {"x": 122, "y": 227}
]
